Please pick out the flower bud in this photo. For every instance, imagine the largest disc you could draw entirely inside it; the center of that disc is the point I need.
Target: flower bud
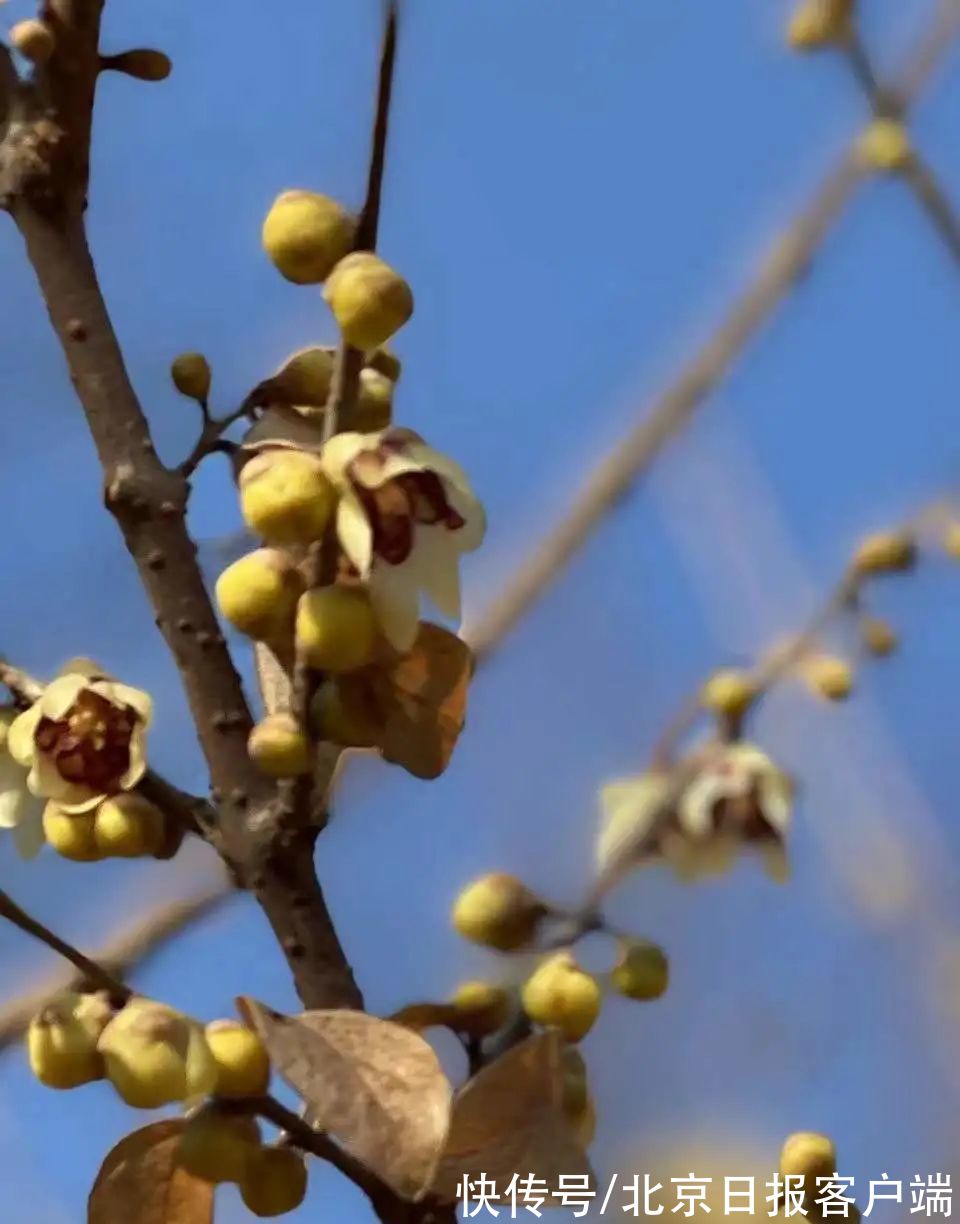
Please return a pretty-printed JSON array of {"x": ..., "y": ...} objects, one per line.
[
  {"x": 336, "y": 628},
  {"x": 374, "y": 407},
  {"x": 385, "y": 362},
  {"x": 497, "y": 911},
  {"x": 72, "y": 835},
  {"x": 728, "y": 693},
  {"x": 285, "y": 496},
  {"x": 341, "y": 721},
  {"x": 879, "y": 637},
  {"x": 142, "y": 63},
  {"x": 305, "y": 377},
  {"x": 819, "y": 23},
  {"x": 560, "y": 994},
  {"x": 829, "y": 677},
  {"x": 306, "y": 234},
  {"x": 243, "y": 1064},
  {"x": 258, "y": 594},
  {"x": 62, "y": 1040},
  {"x": 808, "y": 1155},
  {"x": 885, "y": 145},
  {"x": 191, "y": 376},
  {"x": 155, "y": 1055},
  {"x": 642, "y": 972},
  {"x": 275, "y": 1182},
  {"x": 885, "y": 552},
  {"x": 280, "y": 747},
  {"x": 128, "y": 826},
  {"x": 482, "y": 1008},
  {"x": 217, "y": 1146},
  {"x": 34, "y": 40},
  {"x": 369, "y": 300}
]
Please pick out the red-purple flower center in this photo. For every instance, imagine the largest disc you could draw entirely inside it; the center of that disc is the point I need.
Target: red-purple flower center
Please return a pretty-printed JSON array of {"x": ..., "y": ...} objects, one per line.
[
  {"x": 394, "y": 508},
  {"x": 90, "y": 745}
]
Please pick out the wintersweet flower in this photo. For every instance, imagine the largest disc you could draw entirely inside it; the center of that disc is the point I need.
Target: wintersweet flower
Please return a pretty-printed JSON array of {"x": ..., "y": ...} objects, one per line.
[
  {"x": 19, "y": 810},
  {"x": 405, "y": 515},
  {"x": 83, "y": 740}
]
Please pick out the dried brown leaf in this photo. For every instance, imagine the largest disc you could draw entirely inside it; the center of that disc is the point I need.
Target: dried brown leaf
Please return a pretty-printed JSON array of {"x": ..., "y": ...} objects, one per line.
[
  {"x": 426, "y": 1015},
  {"x": 508, "y": 1120},
  {"x": 140, "y": 1182},
  {"x": 376, "y": 1087}
]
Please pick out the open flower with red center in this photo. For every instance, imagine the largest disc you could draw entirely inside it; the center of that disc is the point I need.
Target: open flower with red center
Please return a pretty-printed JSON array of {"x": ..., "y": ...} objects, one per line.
[
  {"x": 405, "y": 515},
  {"x": 82, "y": 740}
]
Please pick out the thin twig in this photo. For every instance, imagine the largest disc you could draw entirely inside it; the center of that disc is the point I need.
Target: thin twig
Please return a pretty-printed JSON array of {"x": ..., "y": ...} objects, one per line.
[
  {"x": 211, "y": 437},
  {"x": 302, "y": 1135}
]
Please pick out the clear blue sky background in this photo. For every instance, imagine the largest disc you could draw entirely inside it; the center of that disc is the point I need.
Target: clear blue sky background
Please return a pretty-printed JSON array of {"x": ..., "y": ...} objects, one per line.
[{"x": 575, "y": 189}]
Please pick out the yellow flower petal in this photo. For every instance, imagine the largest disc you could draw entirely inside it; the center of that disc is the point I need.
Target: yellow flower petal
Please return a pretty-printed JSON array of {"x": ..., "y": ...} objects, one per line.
[
  {"x": 20, "y": 737},
  {"x": 354, "y": 533},
  {"x": 396, "y": 602},
  {"x": 61, "y": 694},
  {"x": 125, "y": 695},
  {"x": 340, "y": 451},
  {"x": 438, "y": 569},
  {"x": 138, "y": 758}
]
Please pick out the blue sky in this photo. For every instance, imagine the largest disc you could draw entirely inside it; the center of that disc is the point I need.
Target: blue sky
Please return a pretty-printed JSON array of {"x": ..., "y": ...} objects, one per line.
[{"x": 575, "y": 188}]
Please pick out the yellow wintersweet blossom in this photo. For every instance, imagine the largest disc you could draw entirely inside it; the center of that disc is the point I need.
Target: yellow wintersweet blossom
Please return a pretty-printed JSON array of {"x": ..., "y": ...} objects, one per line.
[
  {"x": 82, "y": 740},
  {"x": 19, "y": 810},
  {"x": 405, "y": 515}
]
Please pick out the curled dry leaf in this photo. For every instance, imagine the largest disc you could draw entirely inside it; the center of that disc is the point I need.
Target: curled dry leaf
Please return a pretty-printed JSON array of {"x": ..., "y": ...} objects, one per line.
[
  {"x": 508, "y": 1119},
  {"x": 140, "y": 1182},
  {"x": 426, "y": 1015},
  {"x": 374, "y": 1086}
]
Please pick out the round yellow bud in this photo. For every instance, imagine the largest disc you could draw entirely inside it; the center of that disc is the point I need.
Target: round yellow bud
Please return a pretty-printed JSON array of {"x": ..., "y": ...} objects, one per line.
[
  {"x": 341, "y": 721},
  {"x": 885, "y": 145},
  {"x": 128, "y": 826},
  {"x": 34, "y": 40},
  {"x": 560, "y": 994},
  {"x": 885, "y": 552},
  {"x": 336, "y": 628},
  {"x": 819, "y": 23},
  {"x": 142, "y": 63},
  {"x": 285, "y": 496},
  {"x": 306, "y": 234},
  {"x": 155, "y": 1055},
  {"x": 482, "y": 1008},
  {"x": 71, "y": 835},
  {"x": 305, "y": 377},
  {"x": 643, "y": 971},
  {"x": 951, "y": 541},
  {"x": 497, "y": 911},
  {"x": 275, "y": 1182},
  {"x": 280, "y": 747},
  {"x": 829, "y": 677},
  {"x": 191, "y": 376},
  {"x": 368, "y": 299},
  {"x": 879, "y": 637},
  {"x": 385, "y": 362},
  {"x": 374, "y": 407},
  {"x": 258, "y": 594},
  {"x": 62, "y": 1040},
  {"x": 728, "y": 693},
  {"x": 217, "y": 1146},
  {"x": 243, "y": 1064},
  {"x": 808, "y": 1155}
]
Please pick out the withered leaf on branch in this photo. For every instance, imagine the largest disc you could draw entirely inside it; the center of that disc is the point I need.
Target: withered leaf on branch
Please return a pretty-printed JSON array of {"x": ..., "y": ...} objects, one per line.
[
  {"x": 426, "y": 1015},
  {"x": 508, "y": 1120},
  {"x": 374, "y": 1086},
  {"x": 140, "y": 1182}
]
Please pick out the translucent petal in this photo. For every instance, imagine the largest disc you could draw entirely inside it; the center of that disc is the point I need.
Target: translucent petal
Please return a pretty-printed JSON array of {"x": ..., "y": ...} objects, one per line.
[
  {"x": 438, "y": 569},
  {"x": 28, "y": 835},
  {"x": 396, "y": 600},
  {"x": 20, "y": 737},
  {"x": 355, "y": 533},
  {"x": 60, "y": 694}
]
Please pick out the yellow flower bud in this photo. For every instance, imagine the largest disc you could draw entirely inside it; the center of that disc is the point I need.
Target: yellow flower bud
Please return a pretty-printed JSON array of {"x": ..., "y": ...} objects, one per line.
[
  {"x": 142, "y": 63},
  {"x": 280, "y": 746},
  {"x": 338, "y": 722},
  {"x": 243, "y": 1064},
  {"x": 561, "y": 994},
  {"x": 368, "y": 299},
  {"x": 829, "y": 677},
  {"x": 305, "y": 377},
  {"x": 885, "y": 552},
  {"x": 62, "y": 1040},
  {"x": 285, "y": 496},
  {"x": 191, "y": 376},
  {"x": 217, "y": 1146},
  {"x": 879, "y": 637},
  {"x": 71, "y": 834},
  {"x": 258, "y": 594},
  {"x": 482, "y": 1008},
  {"x": 728, "y": 693},
  {"x": 155, "y": 1055},
  {"x": 128, "y": 826},
  {"x": 885, "y": 145},
  {"x": 951, "y": 541},
  {"x": 34, "y": 40},
  {"x": 336, "y": 628},
  {"x": 306, "y": 234},
  {"x": 385, "y": 362},
  {"x": 275, "y": 1182},
  {"x": 374, "y": 406},
  {"x": 808, "y": 1155},
  {"x": 643, "y": 971},
  {"x": 819, "y": 23},
  {"x": 497, "y": 911}
]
